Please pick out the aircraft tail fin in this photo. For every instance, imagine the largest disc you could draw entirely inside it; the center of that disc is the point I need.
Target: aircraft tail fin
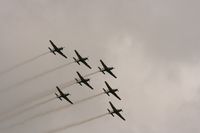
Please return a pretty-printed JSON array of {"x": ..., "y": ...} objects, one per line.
[
  {"x": 58, "y": 96},
  {"x": 110, "y": 112},
  {"x": 101, "y": 70},
  {"x": 52, "y": 51},
  {"x": 106, "y": 92},
  {"x": 76, "y": 60},
  {"x": 78, "y": 82}
]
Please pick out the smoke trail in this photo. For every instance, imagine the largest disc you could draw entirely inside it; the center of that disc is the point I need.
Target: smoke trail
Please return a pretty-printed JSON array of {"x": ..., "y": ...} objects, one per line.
[
  {"x": 47, "y": 93},
  {"x": 21, "y": 64},
  {"x": 90, "y": 74},
  {"x": 34, "y": 77},
  {"x": 64, "y": 85},
  {"x": 19, "y": 112},
  {"x": 87, "y": 75},
  {"x": 55, "y": 110},
  {"x": 31, "y": 100},
  {"x": 77, "y": 123}
]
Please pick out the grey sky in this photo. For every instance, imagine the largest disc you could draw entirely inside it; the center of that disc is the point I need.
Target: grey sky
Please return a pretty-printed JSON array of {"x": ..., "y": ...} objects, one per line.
[{"x": 154, "y": 46}]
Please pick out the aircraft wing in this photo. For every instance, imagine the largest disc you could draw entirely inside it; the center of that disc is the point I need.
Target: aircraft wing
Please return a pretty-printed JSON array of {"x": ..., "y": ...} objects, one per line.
[
  {"x": 85, "y": 63},
  {"x": 111, "y": 74},
  {"x": 116, "y": 95},
  {"x": 120, "y": 116},
  {"x": 67, "y": 99},
  {"x": 79, "y": 75},
  {"x": 108, "y": 86},
  {"x": 62, "y": 54},
  {"x": 78, "y": 54},
  {"x": 59, "y": 90},
  {"x": 86, "y": 83},
  {"x": 113, "y": 107},
  {"x": 104, "y": 65},
  {"x": 54, "y": 46}
]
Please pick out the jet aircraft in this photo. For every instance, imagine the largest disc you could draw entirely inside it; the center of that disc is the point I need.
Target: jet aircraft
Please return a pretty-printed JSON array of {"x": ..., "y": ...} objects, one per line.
[
  {"x": 62, "y": 95},
  {"x": 56, "y": 49},
  {"x": 81, "y": 59},
  {"x": 111, "y": 90},
  {"x": 106, "y": 69},
  {"x": 83, "y": 80},
  {"x": 115, "y": 111}
]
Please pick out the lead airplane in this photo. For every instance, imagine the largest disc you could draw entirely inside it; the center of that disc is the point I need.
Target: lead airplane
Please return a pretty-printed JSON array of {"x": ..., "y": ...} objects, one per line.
[
  {"x": 63, "y": 95},
  {"x": 115, "y": 111},
  {"x": 83, "y": 80},
  {"x": 81, "y": 59},
  {"x": 106, "y": 69},
  {"x": 56, "y": 49},
  {"x": 111, "y": 90}
]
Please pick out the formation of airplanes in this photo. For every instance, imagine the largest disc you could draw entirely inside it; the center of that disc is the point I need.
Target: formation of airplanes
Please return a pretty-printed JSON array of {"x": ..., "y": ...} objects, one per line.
[{"x": 82, "y": 80}]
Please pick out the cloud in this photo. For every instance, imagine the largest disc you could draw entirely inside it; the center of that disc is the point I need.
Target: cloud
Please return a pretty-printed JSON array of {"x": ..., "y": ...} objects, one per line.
[
  {"x": 154, "y": 46},
  {"x": 152, "y": 90}
]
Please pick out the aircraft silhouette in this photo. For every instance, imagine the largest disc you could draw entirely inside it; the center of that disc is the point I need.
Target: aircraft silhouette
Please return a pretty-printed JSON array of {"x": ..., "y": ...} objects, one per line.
[
  {"x": 106, "y": 69},
  {"x": 62, "y": 95},
  {"x": 56, "y": 49},
  {"x": 115, "y": 111},
  {"x": 111, "y": 90},
  {"x": 83, "y": 80},
  {"x": 81, "y": 59}
]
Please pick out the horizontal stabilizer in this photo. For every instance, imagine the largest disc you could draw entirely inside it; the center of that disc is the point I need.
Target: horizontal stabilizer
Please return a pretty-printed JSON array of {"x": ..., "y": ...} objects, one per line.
[
  {"x": 101, "y": 70},
  {"x": 52, "y": 51},
  {"x": 106, "y": 92},
  {"x": 110, "y": 112}
]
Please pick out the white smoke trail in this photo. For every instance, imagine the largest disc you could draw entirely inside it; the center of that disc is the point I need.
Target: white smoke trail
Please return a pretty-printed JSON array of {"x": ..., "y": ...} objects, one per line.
[
  {"x": 43, "y": 95},
  {"x": 52, "y": 111},
  {"x": 16, "y": 85},
  {"x": 19, "y": 112},
  {"x": 22, "y": 63},
  {"x": 77, "y": 124}
]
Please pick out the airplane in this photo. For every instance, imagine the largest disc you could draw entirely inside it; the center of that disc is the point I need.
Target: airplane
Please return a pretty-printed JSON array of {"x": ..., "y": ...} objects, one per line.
[
  {"x": 56, "y": 49},
  {"x": 83, "y": 80},
  {"x": 81, "y": 59},
  {"x": 111, "y": 90},
  {"x": 62, "y": 95},
  {"x": 107, "y": 69},
  {"x": 115, "y": 111}
]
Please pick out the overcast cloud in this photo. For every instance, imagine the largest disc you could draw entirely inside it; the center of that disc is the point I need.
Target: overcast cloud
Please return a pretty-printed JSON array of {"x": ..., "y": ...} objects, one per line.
[{"x": 153, "y": 44}]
